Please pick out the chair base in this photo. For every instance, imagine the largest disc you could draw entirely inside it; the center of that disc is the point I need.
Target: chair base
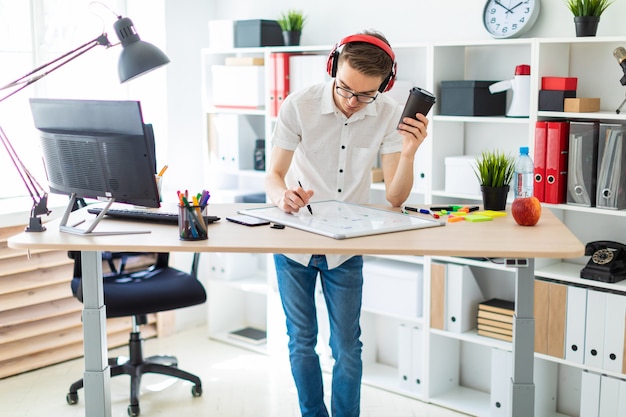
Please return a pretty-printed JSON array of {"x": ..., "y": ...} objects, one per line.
[{"x": 136, "y": 366}]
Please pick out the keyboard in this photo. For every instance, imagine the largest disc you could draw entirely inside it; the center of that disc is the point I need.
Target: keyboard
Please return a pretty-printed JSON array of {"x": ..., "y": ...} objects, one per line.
[{"x": 145, "y": 215}]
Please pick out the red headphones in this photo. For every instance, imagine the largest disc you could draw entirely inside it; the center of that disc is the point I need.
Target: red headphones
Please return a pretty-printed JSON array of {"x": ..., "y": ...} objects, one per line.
[{"x": 333, "y": 58}]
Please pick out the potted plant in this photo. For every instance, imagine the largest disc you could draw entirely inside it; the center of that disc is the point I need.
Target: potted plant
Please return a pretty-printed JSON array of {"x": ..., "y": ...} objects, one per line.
[
  {"x": 587, "y": 14},
  {"x": 291, "y": 22},
  {"x": 494, "y": 171}
]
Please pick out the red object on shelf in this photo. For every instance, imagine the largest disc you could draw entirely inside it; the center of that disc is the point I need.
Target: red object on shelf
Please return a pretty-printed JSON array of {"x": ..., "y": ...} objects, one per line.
[{"x": 559, "y": 83}]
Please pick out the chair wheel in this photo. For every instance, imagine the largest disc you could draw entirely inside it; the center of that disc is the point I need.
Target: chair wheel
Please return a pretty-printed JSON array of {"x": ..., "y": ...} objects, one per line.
[
  {"x": 133, "y": 410},
  {"x": 71, "y": 398},
  {"x": 196, "y": 390}
]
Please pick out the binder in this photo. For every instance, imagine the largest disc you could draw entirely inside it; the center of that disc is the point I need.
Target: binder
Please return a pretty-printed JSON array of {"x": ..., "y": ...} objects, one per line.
[
  {"x": 556, "y": 320},
  {"x": 273, "y": 108},
  {"x": 556, "y": 162},
  {"x": 501, "y": 374},
  {"x": 437, "y": 296},
  {"x": 306, "y": 70},
  {"x": 589, "y": 394},
  {"x": 611, "y": 159},
  {"x": 282, "y": 78},
  {"x": 404, "y": 357},
  {"x": 575, "y": 325},
  {"x": 417, "y": 368},
  {"x": 614, "y": 321},
  {"x": 582, "y": 163},
  {"x": 462, "y": 297},
  {"x": 594, "y": 329},
  {"x": 609, "y": 397},
  {"x": 621, "y": 402},
  {"x": 541, "y": 132}
]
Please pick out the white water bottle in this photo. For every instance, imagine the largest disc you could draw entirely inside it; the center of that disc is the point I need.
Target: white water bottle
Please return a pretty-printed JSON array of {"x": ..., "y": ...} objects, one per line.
[{"x": 524, "y": 174}]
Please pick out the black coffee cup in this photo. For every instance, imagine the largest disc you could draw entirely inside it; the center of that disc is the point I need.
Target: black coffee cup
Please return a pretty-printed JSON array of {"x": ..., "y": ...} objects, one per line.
[{"x": 419, "y": 101}]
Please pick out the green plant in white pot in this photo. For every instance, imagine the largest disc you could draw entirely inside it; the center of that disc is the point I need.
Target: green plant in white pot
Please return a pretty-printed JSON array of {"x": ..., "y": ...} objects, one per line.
[
  {"x": 291, "y": 22},
  {"x": 494, "y": 170}
]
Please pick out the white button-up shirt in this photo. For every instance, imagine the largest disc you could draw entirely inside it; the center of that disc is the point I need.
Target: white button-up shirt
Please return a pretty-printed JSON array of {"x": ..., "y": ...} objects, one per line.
[{"x": 333, "y": 154}]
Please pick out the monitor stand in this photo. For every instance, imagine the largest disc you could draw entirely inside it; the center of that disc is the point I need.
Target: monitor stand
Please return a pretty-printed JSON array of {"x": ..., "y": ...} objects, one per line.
[{"x": 89, "y": 230}]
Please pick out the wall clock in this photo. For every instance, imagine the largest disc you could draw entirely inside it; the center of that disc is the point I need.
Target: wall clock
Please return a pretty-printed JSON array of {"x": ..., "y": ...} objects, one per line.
[{"x": 509, "y": 18}]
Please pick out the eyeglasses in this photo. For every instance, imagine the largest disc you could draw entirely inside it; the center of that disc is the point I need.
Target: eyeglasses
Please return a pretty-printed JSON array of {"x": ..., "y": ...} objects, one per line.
[{"x": 361, "y": 98}]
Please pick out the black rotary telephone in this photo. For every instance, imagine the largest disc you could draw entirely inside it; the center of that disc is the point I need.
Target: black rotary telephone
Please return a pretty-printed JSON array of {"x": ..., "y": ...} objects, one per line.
[{"x": 606, "y": 263}]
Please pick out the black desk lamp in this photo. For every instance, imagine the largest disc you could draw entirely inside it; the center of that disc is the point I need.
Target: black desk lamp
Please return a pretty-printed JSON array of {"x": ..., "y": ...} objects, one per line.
[{"x": 137, "y": 58}]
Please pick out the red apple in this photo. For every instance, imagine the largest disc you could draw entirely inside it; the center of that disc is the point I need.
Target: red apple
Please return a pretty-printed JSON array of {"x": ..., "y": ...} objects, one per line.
[{"x": 526, "y": 211}]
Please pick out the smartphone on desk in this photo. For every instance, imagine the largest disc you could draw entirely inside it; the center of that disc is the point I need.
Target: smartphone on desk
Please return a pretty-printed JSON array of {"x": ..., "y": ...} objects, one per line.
[{"x": 247, "y": 220}]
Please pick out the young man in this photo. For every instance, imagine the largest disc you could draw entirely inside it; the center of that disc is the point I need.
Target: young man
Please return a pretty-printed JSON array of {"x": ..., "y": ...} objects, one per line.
[{"x": 328, "y": 137}]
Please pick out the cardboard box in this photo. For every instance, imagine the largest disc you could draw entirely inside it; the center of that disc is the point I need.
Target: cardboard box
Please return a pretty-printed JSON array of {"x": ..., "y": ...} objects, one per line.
[
  {"x": 460, "y": 177},
  {"x": 238, "y": 86},
  {"x": 559, "y": 83},
  {"x": 377, "y": 175},
  {"x": 471, "y": 98},
  {"x": 553, "y": 100},
  {"x": 254, "y": 33},
  {"x": 581, "y": 105}
]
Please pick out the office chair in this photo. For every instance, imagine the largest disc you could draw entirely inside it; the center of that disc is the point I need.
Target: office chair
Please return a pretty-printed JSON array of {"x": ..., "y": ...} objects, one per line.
[{"x": 136, "y": 294}]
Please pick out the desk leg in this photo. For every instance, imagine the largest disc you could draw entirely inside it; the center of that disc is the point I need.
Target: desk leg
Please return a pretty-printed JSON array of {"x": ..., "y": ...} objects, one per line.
[
  {"x": 523, "y": 388},
  {"x": 97, "y": 373}
]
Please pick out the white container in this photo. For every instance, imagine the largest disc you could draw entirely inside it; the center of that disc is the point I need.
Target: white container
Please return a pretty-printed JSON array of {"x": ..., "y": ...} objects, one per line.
[
  {"x": 460, "y": 175},
  {"x": 241, "y": 86},
  {"x": 392, "y": 287}
]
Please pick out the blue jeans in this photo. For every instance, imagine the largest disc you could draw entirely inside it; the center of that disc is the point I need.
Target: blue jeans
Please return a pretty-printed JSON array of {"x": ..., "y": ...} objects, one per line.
[{"x": 342, "y": 287}]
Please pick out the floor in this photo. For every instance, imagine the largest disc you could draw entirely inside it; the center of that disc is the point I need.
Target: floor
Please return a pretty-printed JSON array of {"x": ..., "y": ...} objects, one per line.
[{"x": 236, "y": 383}]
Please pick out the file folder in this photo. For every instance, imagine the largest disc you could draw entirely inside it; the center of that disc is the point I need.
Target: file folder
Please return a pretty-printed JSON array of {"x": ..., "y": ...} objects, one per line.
[
  {"x": 556, "y": 162},
  {"x": 615, "y": 320},
  {"x": 417, "y": 355},
  {"x": 611, "y": 159},
  {"x": 609, "y": 397},
  {"x": 590, "y": 394},
  {"x": 541, "y": 131},
  {"x": 582, "y": 163},
  {"x": 501, "y": 374},
  {"x": 404, "y": 357},
  {"x": 282, "y": 78},
  {"x": 575, "y": 326},
  {"x": 594, "y": 329},
  {"x": 462, "y": 297}
]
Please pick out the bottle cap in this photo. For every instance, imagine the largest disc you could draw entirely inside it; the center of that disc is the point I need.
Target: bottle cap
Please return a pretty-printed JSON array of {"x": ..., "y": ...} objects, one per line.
[
  {"x": 523, "y": 150},
  {"x": 522, "y": 70}
]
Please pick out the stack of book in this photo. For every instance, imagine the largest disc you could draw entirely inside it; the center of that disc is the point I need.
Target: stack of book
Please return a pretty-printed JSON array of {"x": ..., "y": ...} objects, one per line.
[{"x": 495, "y": 319}]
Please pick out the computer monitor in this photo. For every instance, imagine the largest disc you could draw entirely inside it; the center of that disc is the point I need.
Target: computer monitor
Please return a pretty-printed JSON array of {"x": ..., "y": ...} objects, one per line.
[{"x": 98, "y": 149}]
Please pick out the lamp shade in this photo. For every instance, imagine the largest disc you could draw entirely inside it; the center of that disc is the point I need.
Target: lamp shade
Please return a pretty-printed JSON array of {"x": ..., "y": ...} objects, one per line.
[{"x": 137, "y": 57}]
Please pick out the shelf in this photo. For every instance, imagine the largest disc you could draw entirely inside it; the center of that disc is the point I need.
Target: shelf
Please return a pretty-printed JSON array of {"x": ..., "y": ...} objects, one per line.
[
  {"x": 256, "y": 283},
  {"x": 583, "y": 209},
  {"x": 473, "y": 337},
  {"x": 603, "y": 115},
  {"x": 570, "y": 273},
  {"x": 482, "y": 119},
  {"x": 223, "y": 337},
  {"x": 466, "y": 400}
]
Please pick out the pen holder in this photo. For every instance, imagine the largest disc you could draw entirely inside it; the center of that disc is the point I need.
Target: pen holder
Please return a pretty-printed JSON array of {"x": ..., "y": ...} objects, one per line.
[
  {"x": 191, "y": 222},
  {"x": 159, "y": 182}
]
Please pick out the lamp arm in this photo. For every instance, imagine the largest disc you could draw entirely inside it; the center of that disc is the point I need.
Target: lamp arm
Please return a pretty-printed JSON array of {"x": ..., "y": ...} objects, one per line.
[{"x": 36, "y": 74}]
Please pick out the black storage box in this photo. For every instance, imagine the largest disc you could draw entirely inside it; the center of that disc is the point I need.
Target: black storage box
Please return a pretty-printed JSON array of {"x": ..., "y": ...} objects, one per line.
[
  {"x": 471, "y": 98},
  {"x": 253, "y": 33},
  {"x": 554, "y": 100}
]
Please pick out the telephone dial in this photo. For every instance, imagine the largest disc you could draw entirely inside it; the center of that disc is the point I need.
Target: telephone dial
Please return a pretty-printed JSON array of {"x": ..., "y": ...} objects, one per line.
[{"x": 607, "y": 263}]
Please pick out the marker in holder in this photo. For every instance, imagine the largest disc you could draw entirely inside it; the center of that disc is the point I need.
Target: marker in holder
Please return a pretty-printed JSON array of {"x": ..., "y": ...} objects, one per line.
[{"x": 191, "y": 222}]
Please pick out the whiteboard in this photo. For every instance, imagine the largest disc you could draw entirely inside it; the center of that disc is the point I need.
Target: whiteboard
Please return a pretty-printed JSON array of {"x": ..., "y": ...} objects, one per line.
[{"x": 341, "y": 220}]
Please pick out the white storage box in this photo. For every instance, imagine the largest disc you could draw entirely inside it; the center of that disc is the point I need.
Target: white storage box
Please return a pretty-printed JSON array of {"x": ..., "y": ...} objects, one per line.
[
  {"x": 460, "y": 175},
  {"x": 393, "y": 287},
  {"x": 238, "y": 86}
]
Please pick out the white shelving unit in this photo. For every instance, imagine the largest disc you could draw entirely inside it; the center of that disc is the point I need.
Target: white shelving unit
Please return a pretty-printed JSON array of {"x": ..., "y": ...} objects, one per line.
[{"x": 455, "y": 368}]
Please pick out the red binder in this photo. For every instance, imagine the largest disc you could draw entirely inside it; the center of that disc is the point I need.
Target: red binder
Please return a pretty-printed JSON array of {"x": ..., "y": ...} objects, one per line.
[
  {"x": 282, "y": 78},
  {"x": 557, "y": 141},
  {"x": 273, "y": 109},
  {"x": 541, "y": 132}
]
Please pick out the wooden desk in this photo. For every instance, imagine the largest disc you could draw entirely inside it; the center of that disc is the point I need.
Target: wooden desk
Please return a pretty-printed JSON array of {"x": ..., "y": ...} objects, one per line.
[{"x": 499, "y": 238}]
